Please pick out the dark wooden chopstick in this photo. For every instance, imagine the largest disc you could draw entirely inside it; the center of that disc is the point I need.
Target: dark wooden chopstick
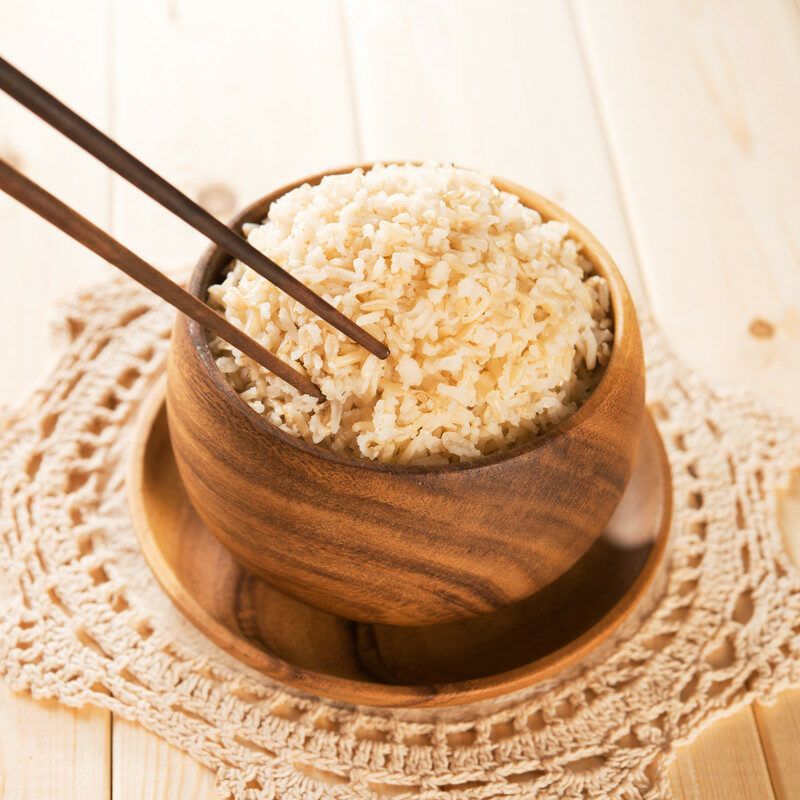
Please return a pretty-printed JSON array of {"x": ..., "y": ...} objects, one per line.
[
  {"x": 55, "y": 113},
  {"x": 89, "y": 235}
]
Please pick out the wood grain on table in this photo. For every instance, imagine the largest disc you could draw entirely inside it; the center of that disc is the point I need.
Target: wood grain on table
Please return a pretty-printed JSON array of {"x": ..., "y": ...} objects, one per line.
[{"x": 671, "y": 129}]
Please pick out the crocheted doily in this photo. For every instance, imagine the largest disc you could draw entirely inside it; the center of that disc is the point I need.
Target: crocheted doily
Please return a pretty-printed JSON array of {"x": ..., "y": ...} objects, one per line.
[{"x": 84, "y": 621}]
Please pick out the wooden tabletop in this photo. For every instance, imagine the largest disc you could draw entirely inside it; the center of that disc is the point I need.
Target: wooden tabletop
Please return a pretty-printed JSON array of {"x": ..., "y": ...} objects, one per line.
[{"x": 671, "y": 129}]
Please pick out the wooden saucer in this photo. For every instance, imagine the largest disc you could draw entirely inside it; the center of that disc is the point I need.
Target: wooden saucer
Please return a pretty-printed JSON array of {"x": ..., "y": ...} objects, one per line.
[{"x": 382, "y": 665}]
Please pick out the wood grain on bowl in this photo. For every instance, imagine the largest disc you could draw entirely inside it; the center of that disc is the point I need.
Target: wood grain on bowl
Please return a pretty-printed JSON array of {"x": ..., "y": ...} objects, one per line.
[
  {"x": 571, "y": 621},
  {"x": 404, "y": 545}
]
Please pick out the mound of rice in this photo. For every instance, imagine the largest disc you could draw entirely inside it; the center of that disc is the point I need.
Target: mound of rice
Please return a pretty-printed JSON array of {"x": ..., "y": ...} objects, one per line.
[{"x": 496, "y": 330}]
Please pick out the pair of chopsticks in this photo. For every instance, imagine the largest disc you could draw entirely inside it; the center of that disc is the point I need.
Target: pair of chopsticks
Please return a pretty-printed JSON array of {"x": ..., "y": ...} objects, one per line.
[{"x": 96, "y": 143}]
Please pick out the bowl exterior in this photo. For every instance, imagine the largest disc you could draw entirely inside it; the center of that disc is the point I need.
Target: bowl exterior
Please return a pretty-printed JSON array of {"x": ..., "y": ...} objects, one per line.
[{"x": 403, "y": 546}]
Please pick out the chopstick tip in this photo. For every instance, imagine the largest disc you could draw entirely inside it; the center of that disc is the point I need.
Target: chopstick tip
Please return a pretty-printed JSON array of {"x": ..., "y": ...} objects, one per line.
[{"x": 382, "y": 351}]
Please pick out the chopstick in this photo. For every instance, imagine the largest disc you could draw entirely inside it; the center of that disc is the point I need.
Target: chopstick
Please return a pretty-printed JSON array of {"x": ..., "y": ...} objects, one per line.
[
  {"x": 105, "y": 149},
  {"x": 89, "y": 235}
]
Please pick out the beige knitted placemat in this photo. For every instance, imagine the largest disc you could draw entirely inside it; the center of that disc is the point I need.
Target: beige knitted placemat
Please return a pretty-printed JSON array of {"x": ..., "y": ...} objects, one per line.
[{"x": 84, "y": 621}]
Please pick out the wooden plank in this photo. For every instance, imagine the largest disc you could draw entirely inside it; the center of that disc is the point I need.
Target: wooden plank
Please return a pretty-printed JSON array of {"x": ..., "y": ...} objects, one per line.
[
  {"x": 49, "y": 751},
  {"x": 779, "y": 728},
  {"x": 147, "y": 768},
  {"x": 789, "y": 516},
  {"x": 262, "y": 117},
  {"x": 703, "y": 135},
  {"x": 725, "y": 762},
  {"x": 224, "y": 130},
  {"x": 515, "y": 103},
  {"x": 68, "y": 53},
  {"x": 779, "y": 724},
  {"x": 702, "y": 106}
]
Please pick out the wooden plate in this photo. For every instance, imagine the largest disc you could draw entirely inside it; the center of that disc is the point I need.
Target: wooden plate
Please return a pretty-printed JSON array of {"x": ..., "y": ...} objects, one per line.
[{"x": 383, "y": 665}]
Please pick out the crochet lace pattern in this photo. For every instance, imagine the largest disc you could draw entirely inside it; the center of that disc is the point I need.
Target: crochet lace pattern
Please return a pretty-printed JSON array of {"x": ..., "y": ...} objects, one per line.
[{"x": 84, "y": 621}]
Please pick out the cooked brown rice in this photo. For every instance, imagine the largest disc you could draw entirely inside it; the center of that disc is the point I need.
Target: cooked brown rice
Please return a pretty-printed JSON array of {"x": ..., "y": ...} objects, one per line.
[{"x": 496, "y": 330}]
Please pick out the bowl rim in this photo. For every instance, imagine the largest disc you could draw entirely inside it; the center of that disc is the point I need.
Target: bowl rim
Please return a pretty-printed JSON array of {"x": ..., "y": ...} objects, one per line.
[{"x": 624, "y": 324}]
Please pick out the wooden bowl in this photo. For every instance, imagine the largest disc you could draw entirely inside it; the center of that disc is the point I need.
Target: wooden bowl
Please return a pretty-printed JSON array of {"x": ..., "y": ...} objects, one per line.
[
  {"x": 404, "y": 545},
  {"x": 571, "y": 623}
]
